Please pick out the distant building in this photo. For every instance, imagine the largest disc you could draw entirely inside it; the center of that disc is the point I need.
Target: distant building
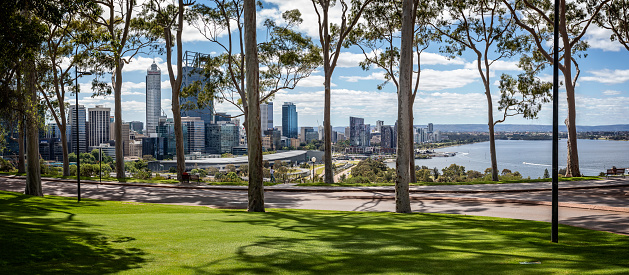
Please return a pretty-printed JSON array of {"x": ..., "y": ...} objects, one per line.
[
  {"x": 266, "y": 116},
  {"x": 153, "y": 97},
  {"x": 51, "y": 149},
  {"x": 359, "y": 134},
  {"x": 71, "y": 129},
  {"x": 221, "y": 138},
  {"x": 430, "y": 128},
  {"x": 307, "y": 134},
  {"x": 195, "y": 130},
  {"x": 289, "y": 120},
  {"x": 137, "y": 126},
  {"x": 98, "y": 125},
  {"x": 387, "y": 137},
  {"x": 193, "y": 72},
  {"x": 379, "y": 125},
  {"x": 272, "y": 139},
  {"x": 156, "y": 147}
]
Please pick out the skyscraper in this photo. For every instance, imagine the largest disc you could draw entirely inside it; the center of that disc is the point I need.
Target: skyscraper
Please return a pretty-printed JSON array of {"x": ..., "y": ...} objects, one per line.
[
  {"x": 430, "y": 128},
  {"x": 71, "y": 130},
  {"x": 136, "y": 126},
  {"x": 379, "y": 125},
  {"x": 153, "y": 98},
  {"x": 289, "y": 120},
  {"x": 192, "y": 71},
  {"x": 194, "y": 134},
  {"x": 357, "y": 131},
  {"x": 98, "y": 125},
  {"x": 266, "y": 116}
]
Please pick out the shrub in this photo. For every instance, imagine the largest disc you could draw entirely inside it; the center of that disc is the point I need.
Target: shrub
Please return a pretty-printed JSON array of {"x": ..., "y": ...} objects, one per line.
[{"x": 5, "y": 165}]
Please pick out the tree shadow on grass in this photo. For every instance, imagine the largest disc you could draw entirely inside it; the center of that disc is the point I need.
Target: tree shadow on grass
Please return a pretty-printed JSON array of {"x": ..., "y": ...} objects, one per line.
[
  {"x": 42, "y": 236},
  {"x": 357, "y": 243}
]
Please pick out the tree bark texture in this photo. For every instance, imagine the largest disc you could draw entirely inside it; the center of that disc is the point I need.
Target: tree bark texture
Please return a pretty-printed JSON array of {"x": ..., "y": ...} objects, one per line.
[
  {"x": 120, "y": 173},
  {"x": 254, "y": 138},
  {"x": 411, "y": 140},
  {"x": 33, "y": 175},
  {"x": 327, "y": 71},
  {"x": 21, "y": 165},
  {"x": 402, "y": 199}
]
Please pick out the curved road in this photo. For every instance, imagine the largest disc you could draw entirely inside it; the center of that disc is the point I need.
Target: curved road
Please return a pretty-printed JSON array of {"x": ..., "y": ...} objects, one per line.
[{"x": 517, "y": 205}]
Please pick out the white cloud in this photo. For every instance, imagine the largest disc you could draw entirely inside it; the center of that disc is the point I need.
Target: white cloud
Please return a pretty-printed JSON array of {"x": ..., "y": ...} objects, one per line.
[
  {"x": 599, "y": 38},
  {"x": 132, "y": 88},
  {"x": 313, "y": 81},
  {"x": 499, "y": 65},
  {"x": 349, "y": 60},
  {"x": 433, "y": 80},
  {"x": 607, "y": 76},
  {"x": 373, "y": 76},
  {"x": 437, "y": 59},
  {"x": 611, "y": 92}
]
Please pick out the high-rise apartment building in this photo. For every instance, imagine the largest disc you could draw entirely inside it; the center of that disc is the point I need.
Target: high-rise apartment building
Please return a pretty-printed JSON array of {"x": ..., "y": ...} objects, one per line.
[
  {"x": 98, "y": 125},
  {"x": 73, "y": 121},
  {"x": 266, "y": 116},
  {"x": 153, "y": 98},
  {"x": 430, "y": 128},
  {"x": 359, "y": 132},
  {"x": 388, "y": 137},
  {"x": 289, "y": 120}
]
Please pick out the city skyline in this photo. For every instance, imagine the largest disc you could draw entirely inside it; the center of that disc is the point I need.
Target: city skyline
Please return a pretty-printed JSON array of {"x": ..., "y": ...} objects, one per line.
[{"x": 450, "y": 90}]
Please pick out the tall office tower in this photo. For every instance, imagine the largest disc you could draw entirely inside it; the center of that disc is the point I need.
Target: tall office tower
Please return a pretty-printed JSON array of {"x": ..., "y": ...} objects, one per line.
[
  {"x": 53, "y": 131},
  {"x": 221, "y": 138},
  {"x": 195, "y": 130},
  {"x": 356, "y": 131},
  {"x": 192, "y": 71},
  {"x": 71, "y": 129},
  {"x": 430, "y": 129},
  {"x": 136, "y": 126},
  {"x": 266, "y": 116},
  {"x": 153, "y": 97},
  {"x": 379, "y": 125},
  {"x": 289, "y": 120},
  {"x": 98, "y": 125}
]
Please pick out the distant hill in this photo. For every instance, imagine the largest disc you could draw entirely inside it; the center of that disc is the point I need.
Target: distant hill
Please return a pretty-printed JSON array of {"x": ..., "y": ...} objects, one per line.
[{"x": 514, "y": 128}]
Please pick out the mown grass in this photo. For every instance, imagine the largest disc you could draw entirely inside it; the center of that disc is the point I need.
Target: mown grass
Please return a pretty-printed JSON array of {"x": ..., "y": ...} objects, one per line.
[
  {"x": 343, "y": 184},
  {"x": 58, "y": 235}
]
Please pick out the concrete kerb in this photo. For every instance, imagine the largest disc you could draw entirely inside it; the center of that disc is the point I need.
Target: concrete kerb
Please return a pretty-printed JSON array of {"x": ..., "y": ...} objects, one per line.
[{"x": 532, "y": 202}]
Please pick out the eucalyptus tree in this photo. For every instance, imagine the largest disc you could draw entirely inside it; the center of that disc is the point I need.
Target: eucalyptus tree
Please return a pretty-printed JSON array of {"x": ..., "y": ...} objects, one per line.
[
  {"x": 63, "y": 40},
  {"x": 168, "y": 17},
  {"x": 402, "y": 166},
  {"x": 332, "y": 36},
  {"x": 287, "y": 57},
  {"x": 126, "y": 37},
  {"x": 536, "y": 19},
  {"x": 615, "y": 17},
  {"x": 254, "y": 138},
  {"x": 485, "y": 28},
  {"x": 377, "y": 37},
  {"x": 22, "y": 33}
]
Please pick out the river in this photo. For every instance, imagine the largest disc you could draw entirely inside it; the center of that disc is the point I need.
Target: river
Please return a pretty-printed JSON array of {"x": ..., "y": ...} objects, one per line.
[{"x": 531, "y": 157}]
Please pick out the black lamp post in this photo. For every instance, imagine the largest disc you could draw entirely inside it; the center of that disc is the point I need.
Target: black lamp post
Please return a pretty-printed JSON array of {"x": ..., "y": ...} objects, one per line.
[
  {"x": 76, "y": 122},
  {"x": 555, "y": 186}
]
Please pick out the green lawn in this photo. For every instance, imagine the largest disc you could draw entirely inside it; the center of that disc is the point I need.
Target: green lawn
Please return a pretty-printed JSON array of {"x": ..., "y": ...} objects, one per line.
[{"x": 59, "y": 235}]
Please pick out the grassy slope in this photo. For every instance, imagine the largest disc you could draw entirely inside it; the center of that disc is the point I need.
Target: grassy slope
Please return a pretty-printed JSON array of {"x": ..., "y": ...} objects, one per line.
[{"x": 57, "y": 235}]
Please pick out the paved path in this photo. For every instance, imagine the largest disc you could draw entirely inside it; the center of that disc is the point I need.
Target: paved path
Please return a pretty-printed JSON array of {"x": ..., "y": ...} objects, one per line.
[{"x": 603, "y": 205}]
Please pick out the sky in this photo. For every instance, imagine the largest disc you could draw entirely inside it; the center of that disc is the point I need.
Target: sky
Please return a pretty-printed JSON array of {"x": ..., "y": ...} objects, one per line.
[{"x": 451, "y": 90}]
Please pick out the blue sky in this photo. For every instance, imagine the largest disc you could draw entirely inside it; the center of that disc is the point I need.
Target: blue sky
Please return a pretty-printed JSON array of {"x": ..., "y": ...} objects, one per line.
[{"x": 451, "y": 91}]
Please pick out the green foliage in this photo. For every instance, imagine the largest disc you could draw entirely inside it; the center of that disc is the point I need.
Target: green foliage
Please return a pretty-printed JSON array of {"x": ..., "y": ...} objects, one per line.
[
  {"x": 287, "y": 56},
  {"x": 524, "y": 96},
  {"x": 202, "y": 173},
  {"x": 371, "y": 170},
  {"x": 5, "y": 165},
  {"x": 453, "y": 173},
  {"x": 172, "y": 169},
  {"x": 72, "y": 157},
  {"x": 230, "y": 168}
]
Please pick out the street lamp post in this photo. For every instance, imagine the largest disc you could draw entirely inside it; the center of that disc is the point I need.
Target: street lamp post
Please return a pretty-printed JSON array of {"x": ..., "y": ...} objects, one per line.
[
  {"x": 554, "y": 235},
  {"x": 76, "y": 122},
  {"x": 100, "y": 162}
]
